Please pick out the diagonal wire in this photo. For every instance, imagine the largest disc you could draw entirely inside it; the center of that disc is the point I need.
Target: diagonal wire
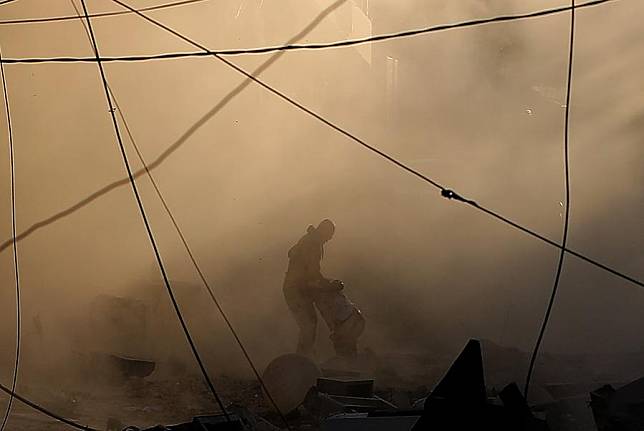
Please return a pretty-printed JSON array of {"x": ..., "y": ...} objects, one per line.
[
  {"x": 15, "y": 245},
  {"x": 188, "y": 249},
  {"x": 183, "y": 138},
  {"x": 311, "y": 46},
  {"x": 445, "y": 192},
  {"x": 45, "y": 411},
  {"x": 165, "y": 154},
  {"x": 193, "y": 347},
  {"x": 564, "y": 240},
  {"x": 96, "y": 15},
  {"x": 12, "y": 391}
]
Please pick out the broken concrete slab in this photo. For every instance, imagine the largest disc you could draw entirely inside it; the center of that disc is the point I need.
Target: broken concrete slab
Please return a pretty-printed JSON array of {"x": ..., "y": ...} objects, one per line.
[
  {"x": 460, "y": 401},
  {"x": 619, "y": 409},
  {"x": 203, "y": 423}
]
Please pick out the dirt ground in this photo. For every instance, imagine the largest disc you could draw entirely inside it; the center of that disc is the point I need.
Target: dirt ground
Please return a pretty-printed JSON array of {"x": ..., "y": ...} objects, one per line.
[
  {"x": 164, "y": 400},
  {"x": 139, "y": 403},
  {"x": 167, "y": 398}
]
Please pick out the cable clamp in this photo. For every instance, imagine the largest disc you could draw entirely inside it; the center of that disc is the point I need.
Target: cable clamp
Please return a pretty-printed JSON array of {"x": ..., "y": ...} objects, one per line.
[{"x": 451, "y": 194}]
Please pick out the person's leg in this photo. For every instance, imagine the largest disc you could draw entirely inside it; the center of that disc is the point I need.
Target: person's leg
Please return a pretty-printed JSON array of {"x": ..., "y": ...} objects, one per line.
[
  {"x": 345, "y": 336},
  {"x": 306, "y": 318}
]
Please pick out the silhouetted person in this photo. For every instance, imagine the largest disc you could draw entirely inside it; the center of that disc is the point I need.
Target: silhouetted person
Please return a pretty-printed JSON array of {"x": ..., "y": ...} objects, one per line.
[{"x": 303, "y": 279}]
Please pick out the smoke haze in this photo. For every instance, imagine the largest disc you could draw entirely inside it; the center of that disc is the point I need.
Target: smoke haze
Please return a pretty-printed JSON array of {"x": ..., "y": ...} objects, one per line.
[{"x": 479, "y": 109}]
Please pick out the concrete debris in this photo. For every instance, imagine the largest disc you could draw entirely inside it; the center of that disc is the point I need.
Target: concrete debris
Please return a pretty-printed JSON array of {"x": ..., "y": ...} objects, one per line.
[
  {"x": 570, "y": 414},
  {"x": 619, "y": 409},
  {"x": 460, "y": 401},
  {"x": 239, "y": 419},
  {"x": 322, "y": 405},
  {"x": 203, "y": 423}
]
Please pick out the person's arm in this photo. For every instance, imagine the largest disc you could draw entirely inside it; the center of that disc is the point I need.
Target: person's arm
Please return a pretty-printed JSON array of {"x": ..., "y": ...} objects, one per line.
[{"x": 313, "y": 266}]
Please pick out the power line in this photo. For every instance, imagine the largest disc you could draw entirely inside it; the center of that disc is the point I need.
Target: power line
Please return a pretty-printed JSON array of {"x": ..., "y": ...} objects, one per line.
[
  {"x": 564, "y": 240},
  {"x": 198, "y": 268},
  {"x": 12, "y": 392},
  {"x": 299, "y": 47},
  {"x": 96, "y": 15},
  {"x": 445, "y": 192},
  {"x": 189, "y": 250},
  {"x": 15, "y": 245},
  {"x": 166, "y": 153},
  {"x": 44, "y": 411},
  {"x": 145, "y": 219}
]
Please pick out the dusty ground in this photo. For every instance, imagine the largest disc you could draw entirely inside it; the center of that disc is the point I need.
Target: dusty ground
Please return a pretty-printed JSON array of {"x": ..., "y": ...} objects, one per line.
[
  {"x": 160, "y": 400},
  {"x": 140, "y": 403},
  {"x": 400, "y": 379}
]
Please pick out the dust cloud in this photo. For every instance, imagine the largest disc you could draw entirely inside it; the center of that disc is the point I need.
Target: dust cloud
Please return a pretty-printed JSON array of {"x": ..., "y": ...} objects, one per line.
[{"x": 480, "y": 110}]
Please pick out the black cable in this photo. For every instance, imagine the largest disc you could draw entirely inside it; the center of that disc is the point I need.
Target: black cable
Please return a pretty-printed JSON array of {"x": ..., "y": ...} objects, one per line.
[
  {"x": 446, "y": 193},
  {"x": 189, "y": 250},
  {"x": 200, "y": 272},
  {"x": 96, "y": 15},
  {"x": 3, "y": 2},
  {"x": 145, "y": 219},
  {"x": 167, "y": 152},
  {"x": 15, "y": 244},
  {"x": 564, "y": 240},
  {"x": 12, "y": 392},
  {"x": 44, "y": 411},
  {"x": 157, "y": 162},
  {"x": 313, "y": 46}
]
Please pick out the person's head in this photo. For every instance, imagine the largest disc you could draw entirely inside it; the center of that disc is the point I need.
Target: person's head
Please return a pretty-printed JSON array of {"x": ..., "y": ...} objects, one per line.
[{"x": 325, "y": 230}]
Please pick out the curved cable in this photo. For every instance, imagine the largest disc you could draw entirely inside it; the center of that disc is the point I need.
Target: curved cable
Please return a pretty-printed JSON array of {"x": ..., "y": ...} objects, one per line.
[
  {"x": 564, "y": 240},
  {"x": 157, "y": 254},
  {"x": 186, "y": 246},
  {"x": 445, "y": 192},
  {"x": 197, "y": 267},
  {"x": 15, "y": 245},
  {"x": 312, "y": 46},
  {"x": 45, "y": 411},
  {"x": 178, "y": 143},
  {"x": 96, "y": 15},
  {"x": 166, "y": 153}
]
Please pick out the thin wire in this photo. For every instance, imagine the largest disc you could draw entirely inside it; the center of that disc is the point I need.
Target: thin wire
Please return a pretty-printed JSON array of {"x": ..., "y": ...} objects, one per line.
[
  {"x": 3, "y": 2},
  {"x": 564, "y": 240},
  {"x": 96, "y": 15},
  {"x": 167, "y": 152},
  {"x": 44, "y": 411},
  {"x": 145, "y": 220},
  {"x": 313, "y": 46},
  {"x": 12, "y": 392},
  {"x": 200, "y": 272},
  {"x": 445, "y": 192},
  {"x": 187, "y": 247},
  {"x": 15, "y": 245}
]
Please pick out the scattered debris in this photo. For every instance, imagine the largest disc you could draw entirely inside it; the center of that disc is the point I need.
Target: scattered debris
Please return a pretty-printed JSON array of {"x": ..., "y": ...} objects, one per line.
[{"x": 619, "y": 409}]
